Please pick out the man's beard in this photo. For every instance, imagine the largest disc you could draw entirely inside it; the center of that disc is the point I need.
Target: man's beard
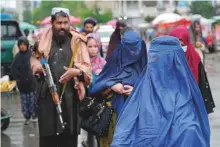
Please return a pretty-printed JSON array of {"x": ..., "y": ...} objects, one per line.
[{"x": 60, "y": 38}]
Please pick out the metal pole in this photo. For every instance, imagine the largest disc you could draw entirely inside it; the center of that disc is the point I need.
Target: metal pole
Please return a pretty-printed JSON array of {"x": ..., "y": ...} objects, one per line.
[
  {"x": 120, "y": 8},
  {"x": 19, "y": 4}
]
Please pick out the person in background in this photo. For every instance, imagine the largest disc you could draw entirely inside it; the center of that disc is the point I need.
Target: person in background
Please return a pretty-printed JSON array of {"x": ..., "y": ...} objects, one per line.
[
  {"x": 209, "y": 40},
  {"x": 115, "y": 38},
  {"x": 196, "y": 66},
  {"x": 35, "y": 52},
  {"x": 26, "y": 32},
  {"x": 97, "y": 63},
  {"x": 28, "y": 35},
  {"x": 119, "y": 75},
  {"x": 88, "y": 26},
  {"x": 196, "y": 39},
  {"x": 37, "y": 55},
  {"x": 126, "y": 29},
  {"x": 96, "y": 28},
  {"x": 166, "y": 108},
  {"x": 26, "y": 82},
  {"x": 195, "y": 33},
  {"x": 98, "y": 40}
]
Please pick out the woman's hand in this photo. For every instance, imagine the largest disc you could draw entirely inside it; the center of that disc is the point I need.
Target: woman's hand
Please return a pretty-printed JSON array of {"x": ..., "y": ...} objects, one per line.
[
  {"x": 128, "y": 90},
  {"x": 118, "y": 88}
]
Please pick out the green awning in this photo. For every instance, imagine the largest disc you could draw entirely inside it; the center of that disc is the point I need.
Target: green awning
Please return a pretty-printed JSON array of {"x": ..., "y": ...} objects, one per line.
[
  {"x": 25, "y": 25},
  {"x": 217, "y": 18}
]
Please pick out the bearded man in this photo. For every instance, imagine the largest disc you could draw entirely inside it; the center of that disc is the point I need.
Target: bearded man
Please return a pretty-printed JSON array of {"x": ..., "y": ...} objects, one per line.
[{"x": 57, "y": 45}]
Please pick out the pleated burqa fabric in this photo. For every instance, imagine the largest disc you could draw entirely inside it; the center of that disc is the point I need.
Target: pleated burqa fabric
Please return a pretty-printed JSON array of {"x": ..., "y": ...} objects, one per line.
[{"x": 166, "y": 108}]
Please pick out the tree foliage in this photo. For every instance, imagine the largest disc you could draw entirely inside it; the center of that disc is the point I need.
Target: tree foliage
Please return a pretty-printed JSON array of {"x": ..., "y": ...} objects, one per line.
[
  {"x": 100, "y": 16},
  {"x": 27, "y": 17},
  {"x": 77, "y": 9},
  {"x": 203, "y": 8},
  {"x": 43, "y": 10}
]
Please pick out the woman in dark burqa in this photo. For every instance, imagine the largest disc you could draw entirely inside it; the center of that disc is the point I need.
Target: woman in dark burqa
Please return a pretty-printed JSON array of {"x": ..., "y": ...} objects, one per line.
[
  {"x": 119, "y": 75},
  {"x": 195, "y": 65},
  {"x": 115, "y": 38},
  {"x": 166, "y": 108}
]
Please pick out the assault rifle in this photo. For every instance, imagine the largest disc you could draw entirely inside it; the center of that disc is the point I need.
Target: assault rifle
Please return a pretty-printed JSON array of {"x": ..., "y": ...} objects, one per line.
[{"x": 53, "y": 90}]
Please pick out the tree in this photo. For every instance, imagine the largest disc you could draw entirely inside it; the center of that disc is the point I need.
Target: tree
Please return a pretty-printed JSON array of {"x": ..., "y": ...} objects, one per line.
[
  {"x": 27, "y": 16},
  {"x": 77, "y": 8},
  {"x": 43, "y": 10},
  {"x": 99, "y": 15},
  {"x": 27, "y": 12},
  {"x": 203, "y": 8},
  {"x": 106, "y": 16}
]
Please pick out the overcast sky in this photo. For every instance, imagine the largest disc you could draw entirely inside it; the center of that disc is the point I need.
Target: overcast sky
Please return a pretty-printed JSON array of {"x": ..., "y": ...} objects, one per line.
[{"x": 8, "y": 3}]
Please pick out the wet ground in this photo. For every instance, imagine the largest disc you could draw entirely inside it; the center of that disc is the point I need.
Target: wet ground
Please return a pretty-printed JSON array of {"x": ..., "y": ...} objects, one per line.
[{"x": 18, "y": 135}]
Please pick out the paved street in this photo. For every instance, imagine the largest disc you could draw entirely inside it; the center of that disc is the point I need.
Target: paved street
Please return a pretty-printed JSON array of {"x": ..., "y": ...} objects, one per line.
[
  {"x": 213, "y": 69},
  {"x": 18, "y": 135}
]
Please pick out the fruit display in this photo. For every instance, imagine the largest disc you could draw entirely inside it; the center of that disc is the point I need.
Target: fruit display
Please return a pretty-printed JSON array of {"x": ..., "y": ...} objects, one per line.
[{"x": 6, "y": 85}]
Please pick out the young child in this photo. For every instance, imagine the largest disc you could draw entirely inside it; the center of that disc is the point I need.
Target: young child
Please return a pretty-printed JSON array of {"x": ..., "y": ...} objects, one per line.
[
  {"x": 98, "y": 63},
  {"x": 21, "y": 72},
  {"x": 96, "y": 60}
]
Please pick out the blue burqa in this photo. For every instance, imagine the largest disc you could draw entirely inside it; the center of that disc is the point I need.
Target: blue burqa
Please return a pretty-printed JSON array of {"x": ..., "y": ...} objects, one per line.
[
  {"x": 124, "y": 66},
  {"x": 166, "y": 108}
]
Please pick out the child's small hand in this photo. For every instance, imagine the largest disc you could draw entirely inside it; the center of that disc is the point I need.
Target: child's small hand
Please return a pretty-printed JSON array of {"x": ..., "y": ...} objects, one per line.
[
  {"x": 128, "y": 89},
  {"x": 118, "y": 88},
  {"x": 36, "y": 67}
]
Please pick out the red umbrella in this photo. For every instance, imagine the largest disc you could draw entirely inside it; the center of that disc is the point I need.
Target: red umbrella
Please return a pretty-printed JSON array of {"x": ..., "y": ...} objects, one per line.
[
  {"x": 185, "y": 22},
  {"x": 182, "y": 21},
  {"x": 73, "y": 20},
  {"x": 112, "y": 22}
]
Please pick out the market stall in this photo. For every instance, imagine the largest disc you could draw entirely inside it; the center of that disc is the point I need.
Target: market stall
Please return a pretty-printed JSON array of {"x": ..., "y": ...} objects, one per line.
[
  {"x": 166, "y": 22},
  {"x": 6, "y": 88}
]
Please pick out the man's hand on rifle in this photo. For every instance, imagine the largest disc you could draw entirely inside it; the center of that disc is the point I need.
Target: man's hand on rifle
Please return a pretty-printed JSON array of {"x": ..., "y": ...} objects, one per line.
[{"x": 69, "y": 74}]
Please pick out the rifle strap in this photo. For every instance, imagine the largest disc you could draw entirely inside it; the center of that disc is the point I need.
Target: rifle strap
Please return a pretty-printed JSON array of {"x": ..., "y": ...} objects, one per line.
[{"x": 76, "y": 47}]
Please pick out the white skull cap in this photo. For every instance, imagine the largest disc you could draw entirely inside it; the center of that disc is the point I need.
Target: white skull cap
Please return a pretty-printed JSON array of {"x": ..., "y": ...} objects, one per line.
[{"x": 59, "y": 9}]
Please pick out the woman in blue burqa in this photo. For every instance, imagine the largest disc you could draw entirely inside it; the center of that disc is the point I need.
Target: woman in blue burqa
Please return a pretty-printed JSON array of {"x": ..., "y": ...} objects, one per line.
[
  {"x": 166, "y": 108},
  {"x": 119, "y": 75}
]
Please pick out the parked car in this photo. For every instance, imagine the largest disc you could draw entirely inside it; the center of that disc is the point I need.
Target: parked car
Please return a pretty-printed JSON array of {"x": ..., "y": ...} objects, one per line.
[
  {"x": 105, "y": 32},
  {"x": 10, "y": 32}
]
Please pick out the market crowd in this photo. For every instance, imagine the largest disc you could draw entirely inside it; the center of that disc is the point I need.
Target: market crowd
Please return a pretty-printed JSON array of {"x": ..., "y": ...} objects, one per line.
[{"x": 151, "y": 96}]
